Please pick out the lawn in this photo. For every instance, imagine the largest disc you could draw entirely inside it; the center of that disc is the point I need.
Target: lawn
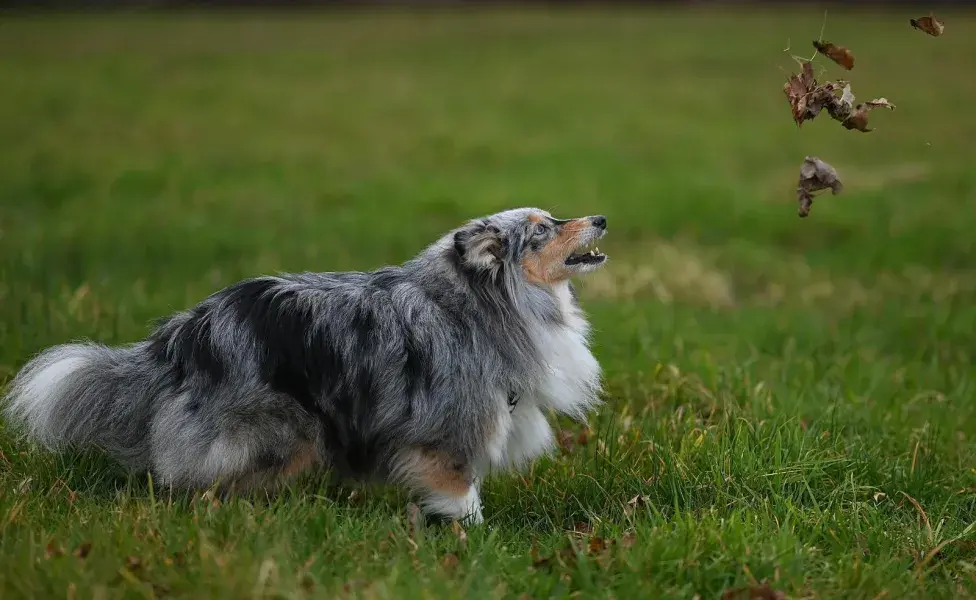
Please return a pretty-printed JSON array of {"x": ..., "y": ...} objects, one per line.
[{"x": 787, "y": 400}]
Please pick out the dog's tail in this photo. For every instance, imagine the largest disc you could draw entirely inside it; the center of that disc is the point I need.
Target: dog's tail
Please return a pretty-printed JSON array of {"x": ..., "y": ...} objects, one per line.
[{"x": 82, "y": 395}]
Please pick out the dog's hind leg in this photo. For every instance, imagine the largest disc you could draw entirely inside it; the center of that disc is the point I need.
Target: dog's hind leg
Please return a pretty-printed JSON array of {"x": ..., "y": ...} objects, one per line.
[{"x": 447, "y": 488}]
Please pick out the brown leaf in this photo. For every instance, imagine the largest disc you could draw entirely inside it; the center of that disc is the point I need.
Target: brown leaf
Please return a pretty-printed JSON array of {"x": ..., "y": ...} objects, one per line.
[
  {"x": 133, "y": 563},
  {"x": 566, "y": 556},
  {"x": 633, "y": 504},
  {"x": 929, "y": 25},
  {"x": 566, "y": 441},
  {"x": 815, "y": 175},
  {"x": 53, "y": 550},
  {"x": 859, "y": 119},
  {"x": 754, "y": 592},
  {"x": 538, "y": 561},
  {"x": 459, "y": 532},
  {"x": 583, "y": 528},
  {"x": 415, "y": 520},
  {"x": 450, "y": 561},
  {"x": 597, "y": 545},
  {"x": 584, "y": 436},
  {"x": 839, "y": 54},
  {"x": 628, "y": 540},
  {"x": 83, "y": 550},
  {"x": 797, "y": 89}
]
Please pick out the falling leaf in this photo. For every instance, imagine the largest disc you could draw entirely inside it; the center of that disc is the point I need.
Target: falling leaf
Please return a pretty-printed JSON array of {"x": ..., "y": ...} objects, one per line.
[
  {"x": 815, "y": 175},
  {"x": 929, "y": 25},
  {"x": 839, "y": 54},
  {"x": 841, "y": 108},
  {"x": 450, "y": 561},
  {"x": 797, "y": 88},
  {"x": 754, "y": 592},
  {"x": 83, "y": 550},
  {"x": 859, "y": 119},
  {"x": 880, "y": 103}
]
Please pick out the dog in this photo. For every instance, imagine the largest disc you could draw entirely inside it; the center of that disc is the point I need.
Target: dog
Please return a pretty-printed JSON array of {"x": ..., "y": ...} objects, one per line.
[{"x": 426, "y": 375}]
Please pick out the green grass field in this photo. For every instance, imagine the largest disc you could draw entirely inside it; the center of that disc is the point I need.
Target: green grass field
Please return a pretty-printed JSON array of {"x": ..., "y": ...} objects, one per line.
[{"x": 789, "y": 400}]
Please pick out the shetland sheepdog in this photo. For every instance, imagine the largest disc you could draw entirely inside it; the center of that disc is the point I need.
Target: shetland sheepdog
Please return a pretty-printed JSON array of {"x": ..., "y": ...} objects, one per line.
[{"x": 427, "y": 375}]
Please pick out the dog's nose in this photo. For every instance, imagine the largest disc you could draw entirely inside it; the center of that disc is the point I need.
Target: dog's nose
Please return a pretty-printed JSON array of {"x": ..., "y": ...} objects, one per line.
[{"x": 599, "y": 221}]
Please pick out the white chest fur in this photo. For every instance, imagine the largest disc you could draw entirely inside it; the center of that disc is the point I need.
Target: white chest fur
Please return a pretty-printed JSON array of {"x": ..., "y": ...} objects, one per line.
[{"x": 571, "y": 386}]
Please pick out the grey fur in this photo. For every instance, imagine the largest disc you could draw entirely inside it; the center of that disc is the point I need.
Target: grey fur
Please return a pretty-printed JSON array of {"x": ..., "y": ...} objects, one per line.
[{"x": 394, "y": 374}]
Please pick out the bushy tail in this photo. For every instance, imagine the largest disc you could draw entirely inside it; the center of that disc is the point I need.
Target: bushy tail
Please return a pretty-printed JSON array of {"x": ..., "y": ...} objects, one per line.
[{"x": 84, "y": 395}]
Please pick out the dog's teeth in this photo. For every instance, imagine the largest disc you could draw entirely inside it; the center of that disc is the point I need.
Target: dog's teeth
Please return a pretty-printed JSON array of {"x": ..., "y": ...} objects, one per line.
[{"x": 597, "y": 250}]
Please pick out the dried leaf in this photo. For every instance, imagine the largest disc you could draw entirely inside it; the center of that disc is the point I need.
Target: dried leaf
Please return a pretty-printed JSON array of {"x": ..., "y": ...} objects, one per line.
[
  {"x": 929, "y": 25},
  {"x": 53, "y": 550},
  {"x": 839, "y": 54},
  {"x": 583, "y": 528},
  {"x": 566, "y": 441},
  {"x": 754, "y": 592},
  {"x": 797, "y": 90},
  {"x": 133, "y": 563},
  {"x": 859, "y": 119},
  {"x": 450, "y": 561},
  {"x": 538, "y": 561},
  {"x": 566, "y": 556},
  {"x": 584, "y": 436},
  {"x": 83, "y": 550},
  {"x": 629, "y": 539},
  {"x": 596, "y": 545},
  {"x": 634, "y": 503},
  {"x": 842, "y": 108},
  {"x": 815, "y": 175},
  {"x": 880, "y": 103},
  {"x": 415, "y": 523},
  {"x": 459, "y": 532}
]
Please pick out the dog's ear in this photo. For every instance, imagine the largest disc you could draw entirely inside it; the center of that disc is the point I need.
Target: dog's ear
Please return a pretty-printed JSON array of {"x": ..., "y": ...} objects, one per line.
[{"x": 480, "y": 245}]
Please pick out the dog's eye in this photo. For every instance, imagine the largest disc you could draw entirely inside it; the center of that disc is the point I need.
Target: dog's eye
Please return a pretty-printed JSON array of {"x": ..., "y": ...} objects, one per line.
[{"x": 540, "y": 228}]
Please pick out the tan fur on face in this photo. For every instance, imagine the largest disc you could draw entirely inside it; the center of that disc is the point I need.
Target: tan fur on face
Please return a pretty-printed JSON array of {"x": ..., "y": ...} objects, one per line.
[
  {"x": 547, "y": 266},
  {"x": 434, "y": 472}
]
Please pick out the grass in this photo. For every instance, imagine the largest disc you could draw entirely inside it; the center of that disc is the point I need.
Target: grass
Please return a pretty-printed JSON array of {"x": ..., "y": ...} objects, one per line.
[{"x": 787, "y": 400}]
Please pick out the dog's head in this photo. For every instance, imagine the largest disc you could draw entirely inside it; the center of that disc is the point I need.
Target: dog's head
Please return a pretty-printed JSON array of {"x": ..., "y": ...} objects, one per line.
[{"x": 546, "y": 250}]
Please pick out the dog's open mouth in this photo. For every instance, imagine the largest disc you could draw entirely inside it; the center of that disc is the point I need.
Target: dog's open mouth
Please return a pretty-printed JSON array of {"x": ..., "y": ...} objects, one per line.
[{"x": 591, "y": 257}]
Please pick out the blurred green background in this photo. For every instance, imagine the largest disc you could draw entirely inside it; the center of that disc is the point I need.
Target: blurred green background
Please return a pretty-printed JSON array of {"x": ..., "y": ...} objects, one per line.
[{"x": 777, "y": 387}]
